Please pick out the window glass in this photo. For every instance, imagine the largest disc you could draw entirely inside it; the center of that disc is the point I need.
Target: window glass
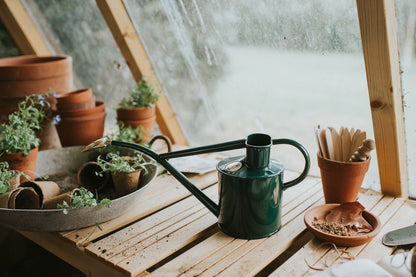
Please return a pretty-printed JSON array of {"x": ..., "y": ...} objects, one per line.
[
  {"x": 7, "y": 46},
  {"x": 406, "y": 22},
  {"x": 232, "y": 68},
  {"x": 77, "y": 28}
]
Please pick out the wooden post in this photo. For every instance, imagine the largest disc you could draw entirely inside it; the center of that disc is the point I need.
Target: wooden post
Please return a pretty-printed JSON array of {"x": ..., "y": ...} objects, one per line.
[
  {"x": 133, "y": 51},
  {"x": 21, "y": 28},
  {"x": 380, "y": 46}
]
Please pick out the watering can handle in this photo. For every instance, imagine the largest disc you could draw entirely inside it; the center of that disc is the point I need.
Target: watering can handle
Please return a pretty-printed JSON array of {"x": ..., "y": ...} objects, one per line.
[{"x": 305, "y": 156}]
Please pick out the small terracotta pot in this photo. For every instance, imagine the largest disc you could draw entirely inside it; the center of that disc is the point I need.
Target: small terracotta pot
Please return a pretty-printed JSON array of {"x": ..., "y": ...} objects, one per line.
[
  {"x": 53, "y": 202},
  {"x": 20, "y": 162},
  {"x": 24, "y": 198},
  {"x": 87, "y": 177},
  {"x": 76, "y": 100},
  {"x": 148, "y": 126},
  {"x": 135, "y": 114},
  {"x": 45, "y": 189},
  {"x": 81, "y": 130},
  {"x": 99, "y": 107},
  {"x": 341, "y": 181},
  {"x": 126, "y": 182}
]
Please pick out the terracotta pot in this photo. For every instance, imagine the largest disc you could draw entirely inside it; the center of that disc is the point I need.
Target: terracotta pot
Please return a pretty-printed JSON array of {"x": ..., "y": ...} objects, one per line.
[
  {"x": 18, "y": 161},
  {"x": 99, "y": 107},
  {"x": 87, "y": 177},
  {"x": 24, "y": 198},
  {"x": 53, "y": 202},
  {"x": 341, "y": 181},
  {"x": 135, "y": 114},
  {"x": 147, "y": 131},
  {"x": 81, "y": 130},
  {"x": 25, "y": 75},
  {"x": 76, "y": 100},
  {"x": 45, "y": 189},
  {"x": 126, "y": 182}
]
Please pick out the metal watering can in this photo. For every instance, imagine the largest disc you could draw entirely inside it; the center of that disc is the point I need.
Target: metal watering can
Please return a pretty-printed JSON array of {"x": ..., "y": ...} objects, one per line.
[{"x": 250, "y": 187}]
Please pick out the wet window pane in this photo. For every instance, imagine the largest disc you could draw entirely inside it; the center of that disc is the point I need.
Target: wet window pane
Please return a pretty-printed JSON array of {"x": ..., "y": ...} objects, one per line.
[
  {"x": 406, "y": 17},
  {"x": 8, "y": 47},
  {"x": 232, "y": 68},
  {"x": 77, "y": 28}
]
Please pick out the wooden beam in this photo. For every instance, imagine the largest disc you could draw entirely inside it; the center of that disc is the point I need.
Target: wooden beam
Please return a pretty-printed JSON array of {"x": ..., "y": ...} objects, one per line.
[
  {"x": 22, "y": 29},
  {"x": 380, "y": 46},
  {"x": 133, "y": 51}
]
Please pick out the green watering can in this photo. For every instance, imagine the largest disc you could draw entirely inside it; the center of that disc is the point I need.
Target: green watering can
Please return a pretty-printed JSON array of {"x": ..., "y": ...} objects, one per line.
[{"x": 250, "y": 187}]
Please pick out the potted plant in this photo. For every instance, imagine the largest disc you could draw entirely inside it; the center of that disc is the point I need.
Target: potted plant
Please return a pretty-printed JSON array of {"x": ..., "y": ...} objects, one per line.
[
  {"x": 18, "y": 140},
  {"x": 125, "y": 171},
  {"x": 138, "y": 109}
]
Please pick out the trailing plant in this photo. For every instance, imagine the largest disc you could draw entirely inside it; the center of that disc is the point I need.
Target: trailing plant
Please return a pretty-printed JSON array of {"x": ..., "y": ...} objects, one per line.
[
  {"x": 85, "y": 198},
  {"x": 115, "y": 163},
  {"x": 18, "y": 134},
  {"x": 6, "y": 174},
  {"x": 142, "y": 95}
]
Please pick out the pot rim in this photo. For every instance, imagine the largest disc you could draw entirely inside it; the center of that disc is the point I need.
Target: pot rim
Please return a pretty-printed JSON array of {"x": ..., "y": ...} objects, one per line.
[{"x": 32, "y": 61}]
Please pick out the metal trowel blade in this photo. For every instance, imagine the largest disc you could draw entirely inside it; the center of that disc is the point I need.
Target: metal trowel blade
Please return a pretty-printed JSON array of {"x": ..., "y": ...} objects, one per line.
[{"x": 402, "y": 236}]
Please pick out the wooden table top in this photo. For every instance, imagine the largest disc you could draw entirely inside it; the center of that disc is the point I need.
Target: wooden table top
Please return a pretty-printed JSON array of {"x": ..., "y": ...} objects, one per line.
[{"x": 169, "y": 233}]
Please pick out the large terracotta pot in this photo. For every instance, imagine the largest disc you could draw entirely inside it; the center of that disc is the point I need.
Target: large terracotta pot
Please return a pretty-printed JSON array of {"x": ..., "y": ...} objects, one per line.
[
  {"x": 135, "y": 117},
  {"x": 80, "y": 99},
  {"x": 18, "y": 161},
  {"x": 341, "y": 181},
  {"x": 81, "y": 130},
  {"x": 25, "y": 75}
]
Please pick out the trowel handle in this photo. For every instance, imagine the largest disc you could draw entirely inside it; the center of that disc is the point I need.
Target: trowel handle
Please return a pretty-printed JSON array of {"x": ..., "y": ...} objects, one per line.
[{"x": 305, "y": 156}]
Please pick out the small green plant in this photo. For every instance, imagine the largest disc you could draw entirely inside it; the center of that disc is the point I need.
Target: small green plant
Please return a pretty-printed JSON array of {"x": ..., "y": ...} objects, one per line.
[
  {"x": 6, "y": 174},
  {"x": 85, "y": 198},
  {"x": 18, "y": 134},
  {"x": 115, "y": 163},
  {"x": 142, "y": 95},
  {"x": 128, "y": 133}
]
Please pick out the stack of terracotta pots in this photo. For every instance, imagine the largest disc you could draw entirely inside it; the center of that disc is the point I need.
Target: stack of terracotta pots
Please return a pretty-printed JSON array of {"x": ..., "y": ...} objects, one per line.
[
  {"x": 82, "y": 119},
  {"x": 25, "y": 75}
]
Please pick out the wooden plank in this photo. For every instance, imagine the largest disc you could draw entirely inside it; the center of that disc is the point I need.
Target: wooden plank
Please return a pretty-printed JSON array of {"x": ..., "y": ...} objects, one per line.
[
  {"x": 208, "y": 262},
  {"x": 380, "y": 47},
  {"x": 172, "y": 191},
  {"x": 154, "y": 225},
  {"x": 72, "y": 255},
  {"x": 134, "y": 53},
  {"x": 22, "y": 29}
]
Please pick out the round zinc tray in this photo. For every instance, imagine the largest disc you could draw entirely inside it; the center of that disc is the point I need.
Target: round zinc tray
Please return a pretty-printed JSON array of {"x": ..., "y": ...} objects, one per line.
[{"x": 61, "y": 165}]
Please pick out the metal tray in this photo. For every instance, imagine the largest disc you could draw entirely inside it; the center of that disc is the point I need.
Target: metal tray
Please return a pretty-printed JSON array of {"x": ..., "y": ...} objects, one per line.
[{"x": 64, "y": 162}]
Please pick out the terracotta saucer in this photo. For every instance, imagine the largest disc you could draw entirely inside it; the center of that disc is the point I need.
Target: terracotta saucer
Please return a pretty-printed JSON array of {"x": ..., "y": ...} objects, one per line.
[{"x": 320, "y": 211}]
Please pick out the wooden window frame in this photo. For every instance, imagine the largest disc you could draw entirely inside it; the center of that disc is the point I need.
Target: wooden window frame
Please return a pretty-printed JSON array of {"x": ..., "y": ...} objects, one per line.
[{"x": 380, "y": 47}]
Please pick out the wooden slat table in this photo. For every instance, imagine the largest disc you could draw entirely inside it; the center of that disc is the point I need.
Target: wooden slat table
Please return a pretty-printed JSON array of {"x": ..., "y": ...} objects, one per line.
[{"x": 169, "y": 233}]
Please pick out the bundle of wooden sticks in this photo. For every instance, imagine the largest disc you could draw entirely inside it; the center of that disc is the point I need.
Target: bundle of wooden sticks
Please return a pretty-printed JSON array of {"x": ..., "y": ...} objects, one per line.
[{"x": 349, "y": 145}]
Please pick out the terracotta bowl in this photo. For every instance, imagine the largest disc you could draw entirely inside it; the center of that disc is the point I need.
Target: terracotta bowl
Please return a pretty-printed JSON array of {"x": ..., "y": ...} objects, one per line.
[
  {"x": 99, "y": 108},
  {"x": 320, "y": 211}
]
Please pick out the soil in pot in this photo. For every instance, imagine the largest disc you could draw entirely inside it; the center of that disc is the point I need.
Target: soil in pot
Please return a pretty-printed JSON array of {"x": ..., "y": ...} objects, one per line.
[{"x": 87, "y": 177}]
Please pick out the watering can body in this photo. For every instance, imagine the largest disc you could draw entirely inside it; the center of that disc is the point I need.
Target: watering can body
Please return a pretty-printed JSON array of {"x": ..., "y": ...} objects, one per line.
[
  {"x": 249, "y": 199},
  {"x": 250, "y": 187}
]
